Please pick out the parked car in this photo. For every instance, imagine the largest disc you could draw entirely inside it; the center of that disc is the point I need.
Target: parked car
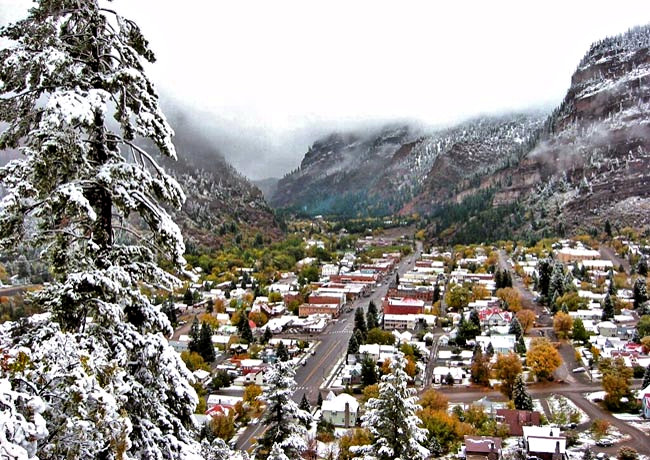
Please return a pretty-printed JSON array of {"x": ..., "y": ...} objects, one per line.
[
  {"x": 579, "y": 369},
  {"x": 602, "y": 456},
  {"x": 604, "y": 442}
]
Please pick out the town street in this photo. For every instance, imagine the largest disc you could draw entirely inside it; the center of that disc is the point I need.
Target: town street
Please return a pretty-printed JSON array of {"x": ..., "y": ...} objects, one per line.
[{"x": 331, "y": 348}]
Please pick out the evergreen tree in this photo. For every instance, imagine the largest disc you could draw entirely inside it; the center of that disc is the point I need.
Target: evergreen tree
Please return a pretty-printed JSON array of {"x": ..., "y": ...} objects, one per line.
[
  {"x": 639, "y": 293},
  {"x": 520, "y": 396},
  {"x": 282, "y": 353},
  {"x": 579, "y": 331},
  {"x": 368, "y": 372},
  {"x": 436, "y": 293},
  {"x": 358, "y": 336},
  {"x": 268, "y": 335},
  {"x": 498, "y": 279},
  {"x": 372, "y": 316},
  {"x": 284, "y": 420},
  {"x": 608, "y": 308},
  {"x": 474, "y": 319},
  {"x": 515, "y": 328},
  {"x": 544, "y": 269},
  {"x": 449, "y": 379},
  {"x": 304, "y": 404},
  {"x": 206, "y": 347},
  {"x": 244, "y": 328},
  {"x": 489, "y": 351},
  {"x": 353, "y": 346},
  {"x": 608, "y": 228},
  {"x": 195, "y": 336},
  {"x": 77, "y": 103},
  {"x": 188, "y": 298},
  {"x": 556, "y": 283},
  {"x": 611, "y": 285},
  {"x": 507, "y": 279},
  {"x": 391, "y": 419},
  {"x": 646, "y": 378},
  {"x": 277, "y": 453},
  {"x": 319, "y": 401},
  {"x": 360, "y": 322},
  {"x": 520, "y": 346},
  {"x": 642, "y": 266},
  {"x": 564, "y": 308}
]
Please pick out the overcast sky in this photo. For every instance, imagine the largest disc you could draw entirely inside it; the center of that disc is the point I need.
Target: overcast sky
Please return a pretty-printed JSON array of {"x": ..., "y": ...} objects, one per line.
[{"x": 265, "y": 78}]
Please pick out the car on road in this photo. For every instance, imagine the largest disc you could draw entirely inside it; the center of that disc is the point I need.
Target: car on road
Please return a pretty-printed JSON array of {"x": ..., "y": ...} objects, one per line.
[
  {"x": 602, "y": 456},
  {"x": 579, "y": 369},
  {"x": 604, "y": 442}
]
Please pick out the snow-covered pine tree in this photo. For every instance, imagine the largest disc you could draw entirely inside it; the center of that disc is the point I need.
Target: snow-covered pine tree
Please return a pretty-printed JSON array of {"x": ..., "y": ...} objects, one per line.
[
  {"x": 284, "y": 421},
  {"x": 277, "y": 453},
  {"x": 111, "y": 387},
  {"x": 391, "y": 419},
  {"x": 556, "y": 283},
  {"x": 219, "y": 450},
  {"x": 195, "y": 336},
  {"x": 520, "y": 396}
]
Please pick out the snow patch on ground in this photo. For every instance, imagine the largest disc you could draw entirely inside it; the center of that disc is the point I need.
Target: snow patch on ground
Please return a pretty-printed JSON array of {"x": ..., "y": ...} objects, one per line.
[
  {"x": 642, "y": 426},
  {"x": 557, "y": 401}
]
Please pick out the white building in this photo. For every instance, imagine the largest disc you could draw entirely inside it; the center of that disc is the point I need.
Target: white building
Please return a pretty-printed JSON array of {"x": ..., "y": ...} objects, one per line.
[{"x": 341, "y": 410}]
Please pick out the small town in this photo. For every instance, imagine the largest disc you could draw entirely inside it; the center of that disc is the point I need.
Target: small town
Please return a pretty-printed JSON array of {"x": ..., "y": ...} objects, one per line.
[
  {"x": 289, "y": 230},
  {"x": 537, "y": 352}
]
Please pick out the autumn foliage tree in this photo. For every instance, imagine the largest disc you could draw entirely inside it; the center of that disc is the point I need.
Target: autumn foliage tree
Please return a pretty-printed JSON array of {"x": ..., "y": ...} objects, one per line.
[
  {"x": 543, "y": 358},
  {"x": 526, "y": 319},
  {"x": 510, "y": 296},
  {"x": 506, "y": 369},
  {"x": 562, "y": 325}
]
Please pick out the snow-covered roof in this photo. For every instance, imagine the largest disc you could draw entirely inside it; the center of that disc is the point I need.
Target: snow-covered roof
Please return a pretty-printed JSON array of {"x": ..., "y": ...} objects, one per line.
[
  {"x": 337, "y": 404},
  {"x": 546, "y": 444},
  {"x": 552, "y": 431}
]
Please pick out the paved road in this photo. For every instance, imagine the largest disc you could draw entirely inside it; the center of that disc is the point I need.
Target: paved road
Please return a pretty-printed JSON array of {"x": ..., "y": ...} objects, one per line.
[
  {"x": 332, "y": 346},
  {"x": 610, "y": 254}
]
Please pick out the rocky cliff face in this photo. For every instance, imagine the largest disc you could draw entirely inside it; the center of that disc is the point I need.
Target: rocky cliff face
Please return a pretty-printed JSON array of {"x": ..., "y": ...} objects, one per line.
[
  {"x": 593, "y": 158},
  {"x": 221, "y": 203},
  {"x": 402, "y": 169}
]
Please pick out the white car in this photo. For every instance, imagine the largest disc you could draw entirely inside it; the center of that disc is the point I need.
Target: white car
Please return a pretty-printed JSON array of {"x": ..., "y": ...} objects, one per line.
[{"x": 579, "y": 369}]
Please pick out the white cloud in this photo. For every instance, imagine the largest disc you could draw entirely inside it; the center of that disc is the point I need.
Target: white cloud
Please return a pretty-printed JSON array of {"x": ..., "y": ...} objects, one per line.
[{"x": 275, "y": 68}]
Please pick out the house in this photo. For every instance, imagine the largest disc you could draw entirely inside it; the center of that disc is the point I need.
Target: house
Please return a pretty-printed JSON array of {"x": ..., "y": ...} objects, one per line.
[
  {"x": 644, "y": 396},
  {"x": 607, "y": 329},
  {"x": 399, "y": 322},
  {"x": 494, "y": 316},
  {"x": 482, "y": 448},
  {"x": 403, "y": 306},
  {"x": 500, "y": 343},
  {"x": 251, "y": 366},
  {"x": 440, "y": 374},
  {"x": 517, "y": 419},
  {"x": 544, "y": 442},
  {"x": 307, "y": 309},
  {"x": 341, "y": 410}
]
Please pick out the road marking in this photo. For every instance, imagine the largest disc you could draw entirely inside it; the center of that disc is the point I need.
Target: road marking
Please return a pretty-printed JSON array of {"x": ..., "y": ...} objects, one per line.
[{"x": 320, "y": 363}]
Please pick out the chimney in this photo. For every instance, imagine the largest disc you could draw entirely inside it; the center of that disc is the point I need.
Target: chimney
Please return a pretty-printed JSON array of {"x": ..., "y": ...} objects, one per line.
[{"x": 347, "y": 415}]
